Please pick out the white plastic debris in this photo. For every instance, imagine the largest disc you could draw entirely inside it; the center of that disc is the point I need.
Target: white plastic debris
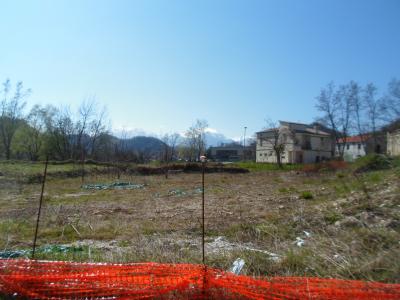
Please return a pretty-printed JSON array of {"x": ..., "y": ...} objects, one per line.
[
  {"x": 299, "y": 242},
  {"x": 237, "y": 266},
  {"x": 307, "y": 233}
]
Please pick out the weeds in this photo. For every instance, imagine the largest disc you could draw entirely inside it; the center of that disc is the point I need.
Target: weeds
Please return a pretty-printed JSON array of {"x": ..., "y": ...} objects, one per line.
[{"x": 306, "y": 195}]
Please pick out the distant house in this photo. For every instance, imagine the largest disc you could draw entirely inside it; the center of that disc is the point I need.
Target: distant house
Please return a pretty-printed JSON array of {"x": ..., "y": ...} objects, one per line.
[
  {"x": 302, "y": 143},
  {"x": 354, "y": 147},
  {"x": 393, "y": 142},
  {"x": 231, "y": 152},
  {"x": 360, "y": 145}
]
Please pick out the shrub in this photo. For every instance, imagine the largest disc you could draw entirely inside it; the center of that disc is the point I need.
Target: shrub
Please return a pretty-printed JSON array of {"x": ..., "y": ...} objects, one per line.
[
  {"x": 332, "y": 216},
  {"x": 372, "y": 162},
  {"x": 306, "y": 195},
  {"x": 333, "y": 165}
]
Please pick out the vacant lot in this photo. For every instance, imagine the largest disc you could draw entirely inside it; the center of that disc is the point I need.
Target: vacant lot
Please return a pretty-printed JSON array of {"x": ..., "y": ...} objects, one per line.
[{"x": 328, "y": 224}]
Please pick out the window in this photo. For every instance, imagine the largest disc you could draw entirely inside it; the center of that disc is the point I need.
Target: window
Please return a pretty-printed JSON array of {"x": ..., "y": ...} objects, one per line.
[
  {"x": 260, "y": 154},
  {"x": 347, "y": 146},
  {"x": 359, "y": 146},
  {"x": 306, "y": 144}
]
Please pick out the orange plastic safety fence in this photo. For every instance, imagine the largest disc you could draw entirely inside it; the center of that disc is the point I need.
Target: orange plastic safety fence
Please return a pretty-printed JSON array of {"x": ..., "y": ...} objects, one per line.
[{"x": 68, "y": 280}]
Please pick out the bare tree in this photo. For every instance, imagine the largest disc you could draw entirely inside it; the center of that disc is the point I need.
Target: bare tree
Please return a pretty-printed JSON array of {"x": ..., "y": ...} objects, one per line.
[
  {"x": 391, "y": 102},
  {"x": 195, "y": 139},
  {"x": 11, "y": 113},
  {"x": 97, "y": 127},
  {"x": 121, "y": 146},
  {"x": 85, "y": 113},
  {"x": 61, "y": 129},
  {"x": 337, "y": 107},
  {"x": 30, "y": 136},
  {"x": 373, "y": 108},
  {"x": 353, "y": 91},
  {"x": 277, "y": 138},
  {"x": 169, "y": 149}
]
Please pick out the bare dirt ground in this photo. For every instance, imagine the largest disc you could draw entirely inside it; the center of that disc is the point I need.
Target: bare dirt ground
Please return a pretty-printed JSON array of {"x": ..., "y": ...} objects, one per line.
[{"x": 280, "y": 223}]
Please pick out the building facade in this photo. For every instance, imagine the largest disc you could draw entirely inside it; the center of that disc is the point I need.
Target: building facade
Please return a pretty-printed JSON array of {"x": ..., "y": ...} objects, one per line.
[
  {"x": 358, "y": 146},
  {"x": 231, "y": 152},
  {"x": 393, "y": 143},
  {"x": 354, "y": 147},
  {"x": 301, "y": 143}
]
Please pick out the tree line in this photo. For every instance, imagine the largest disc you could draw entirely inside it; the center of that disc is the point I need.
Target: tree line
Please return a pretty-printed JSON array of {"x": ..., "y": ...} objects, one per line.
[
  {"x": 61, "y": 134},
  {"x": 51, "y": 131},
  {"x": 352, "y": 109}
]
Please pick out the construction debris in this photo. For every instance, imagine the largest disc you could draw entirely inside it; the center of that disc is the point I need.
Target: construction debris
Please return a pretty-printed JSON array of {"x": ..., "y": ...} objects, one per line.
[
  {"x": 113, "y": 186},
  {"x": 237, "y": 266},
  {"x": 179, "y": 192}
]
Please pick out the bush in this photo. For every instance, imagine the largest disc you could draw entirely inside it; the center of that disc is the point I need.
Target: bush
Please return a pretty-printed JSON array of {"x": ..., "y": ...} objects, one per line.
[
  {"x": 332, "y": 165},
  {"x": 372, "y": 162},
  {"x": 306, "y": 195}
]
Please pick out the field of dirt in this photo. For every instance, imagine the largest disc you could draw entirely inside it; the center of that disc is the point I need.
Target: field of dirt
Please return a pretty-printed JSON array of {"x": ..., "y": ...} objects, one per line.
[{"x": 328, "y": 224}]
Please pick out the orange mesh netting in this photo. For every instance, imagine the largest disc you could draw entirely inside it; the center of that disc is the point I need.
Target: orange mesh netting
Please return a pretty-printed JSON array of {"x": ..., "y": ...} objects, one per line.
[{"x": 61, "y": 280}]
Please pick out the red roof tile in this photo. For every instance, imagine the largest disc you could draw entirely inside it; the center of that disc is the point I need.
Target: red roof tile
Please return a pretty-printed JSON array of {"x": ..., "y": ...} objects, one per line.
[{"x": 354, "y": 139}]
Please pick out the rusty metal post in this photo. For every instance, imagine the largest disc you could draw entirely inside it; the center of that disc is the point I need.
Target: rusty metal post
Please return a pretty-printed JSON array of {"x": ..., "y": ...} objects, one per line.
[
  {"x": 203, "y": 162},
  {"x": 202, "y": 200},
  {"x": 40, "y": 207},
  {"x": 83, "y": 166}
]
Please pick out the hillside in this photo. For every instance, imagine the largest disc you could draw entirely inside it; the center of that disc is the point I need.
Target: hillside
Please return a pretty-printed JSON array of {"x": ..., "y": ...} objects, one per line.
[{"x": 144, "y": 144}]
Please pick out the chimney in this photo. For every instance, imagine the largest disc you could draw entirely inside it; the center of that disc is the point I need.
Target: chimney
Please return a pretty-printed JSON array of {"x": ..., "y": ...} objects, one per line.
[{"x": 315, "y": 128}]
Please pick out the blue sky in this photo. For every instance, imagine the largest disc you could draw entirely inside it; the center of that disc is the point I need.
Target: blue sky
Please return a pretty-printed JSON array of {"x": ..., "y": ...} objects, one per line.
[{"x": 159, "y": 65}]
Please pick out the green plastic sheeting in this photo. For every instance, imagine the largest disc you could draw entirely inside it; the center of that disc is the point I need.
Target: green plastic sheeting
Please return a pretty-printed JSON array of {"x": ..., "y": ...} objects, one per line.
[{"x": 43, "y": 249}]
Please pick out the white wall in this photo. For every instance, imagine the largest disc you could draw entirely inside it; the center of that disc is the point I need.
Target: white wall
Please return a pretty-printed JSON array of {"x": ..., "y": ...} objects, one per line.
[
  {"x": 353, "y": 151},
  {"x": 393, "y": 143},
  {"x": 319, "y": 146}
]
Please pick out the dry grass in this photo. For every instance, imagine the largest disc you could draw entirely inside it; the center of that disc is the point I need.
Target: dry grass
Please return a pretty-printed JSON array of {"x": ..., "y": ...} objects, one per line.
[{"x": 350, "y": 235}]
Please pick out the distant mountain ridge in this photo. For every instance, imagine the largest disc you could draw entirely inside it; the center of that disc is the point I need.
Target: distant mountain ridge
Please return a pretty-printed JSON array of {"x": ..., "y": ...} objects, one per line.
[
  {"x": 139, "y": 141},
  {"x": 144, "y": 144}
]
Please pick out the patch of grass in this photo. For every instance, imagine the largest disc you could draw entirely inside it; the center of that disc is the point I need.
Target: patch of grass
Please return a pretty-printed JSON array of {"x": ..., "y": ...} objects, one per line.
[
  {"x": 149, "y": 228},
  {"x": 15, "y": 231},
  {"x": 285, "y": 190},
  {"x": 373, "y": 177},
  {"x": 253, "y": 166},
  {"x": 306, "y": 195},
  {"x": 266, "y": 231},
  {"x": 123, "y": 243},
  {"x": 340, "y": 175},
  {"x": 296, "y": 261},
  {"x": 258, "y": 263},
  {"x": 330, "y": 217},
  {"x": 375, "y": 240}
]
